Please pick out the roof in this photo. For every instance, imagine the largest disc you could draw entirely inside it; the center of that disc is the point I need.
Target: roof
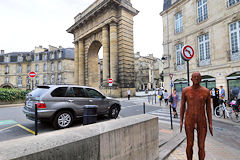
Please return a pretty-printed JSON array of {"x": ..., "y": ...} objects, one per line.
[{"x": 67, "y": 53}]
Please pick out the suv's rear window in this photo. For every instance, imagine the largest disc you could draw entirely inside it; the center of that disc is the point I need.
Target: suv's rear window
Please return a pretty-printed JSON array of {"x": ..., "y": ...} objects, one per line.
[
  {"x": 38, "y": 92},
  {"x": 59, "y": 92}
]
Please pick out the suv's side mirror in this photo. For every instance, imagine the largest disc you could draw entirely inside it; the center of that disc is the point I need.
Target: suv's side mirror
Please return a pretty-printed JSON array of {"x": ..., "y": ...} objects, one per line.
[{"x": 103, "y": 97}]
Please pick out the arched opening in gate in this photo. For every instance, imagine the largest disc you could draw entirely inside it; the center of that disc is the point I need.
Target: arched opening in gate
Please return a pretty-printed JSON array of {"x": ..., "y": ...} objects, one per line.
[{"x": 95, "y": 63}]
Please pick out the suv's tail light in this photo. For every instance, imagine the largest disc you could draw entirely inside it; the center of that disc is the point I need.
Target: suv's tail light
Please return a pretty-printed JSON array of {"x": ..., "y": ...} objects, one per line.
[{"x": 40, "y": 105}]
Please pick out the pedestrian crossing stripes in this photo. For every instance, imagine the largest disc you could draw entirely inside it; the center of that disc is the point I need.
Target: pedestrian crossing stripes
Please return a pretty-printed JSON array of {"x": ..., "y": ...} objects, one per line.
[{"x": 164, "y": 115}]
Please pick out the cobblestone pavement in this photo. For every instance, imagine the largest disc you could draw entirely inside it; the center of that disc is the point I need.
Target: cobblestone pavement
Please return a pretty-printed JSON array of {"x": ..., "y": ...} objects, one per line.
[{"x": 215, "y": 150}]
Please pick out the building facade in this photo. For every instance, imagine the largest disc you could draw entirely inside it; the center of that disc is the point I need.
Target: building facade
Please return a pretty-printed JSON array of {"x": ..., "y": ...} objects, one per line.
[
  {"x": 53, "y": 66},
  {"x": 212, "y": 28},
  {"x": 148, "y": 71}
]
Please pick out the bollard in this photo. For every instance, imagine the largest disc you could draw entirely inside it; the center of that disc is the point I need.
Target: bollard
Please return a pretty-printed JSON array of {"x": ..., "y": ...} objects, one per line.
[
  {"x": 148, "y": 99},
  {"x": 155, "y": 98},
  {"x": 36, "y": 120},
  {"x": 144, "y": 107},
  {"x": 171, "y": 116},
  {"x": 152, "y": 99}
]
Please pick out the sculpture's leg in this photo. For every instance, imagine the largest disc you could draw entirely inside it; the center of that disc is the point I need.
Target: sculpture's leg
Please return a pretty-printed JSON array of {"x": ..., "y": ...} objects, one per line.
[
  {"x": 202, "y": 132},
  {"x": 189, "y": 129}
]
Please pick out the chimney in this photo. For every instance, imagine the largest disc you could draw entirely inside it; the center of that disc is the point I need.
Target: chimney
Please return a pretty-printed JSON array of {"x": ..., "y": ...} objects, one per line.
[{"x": 2, "y": 51}]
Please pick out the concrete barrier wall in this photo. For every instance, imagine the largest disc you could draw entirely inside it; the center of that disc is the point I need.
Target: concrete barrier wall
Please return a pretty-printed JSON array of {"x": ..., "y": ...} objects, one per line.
[{"x": 132, "y": 138}]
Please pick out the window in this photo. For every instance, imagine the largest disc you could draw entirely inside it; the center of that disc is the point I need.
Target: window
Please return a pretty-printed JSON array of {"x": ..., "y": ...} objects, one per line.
[
  {"x": 19, "y": 58},
  {"x": 59, "y": 92},
  {"x": 59, "y": 79},
  {"x": 45, "y": 56},
  {"x": 6, "y": 79},
  {"x": 44, "y": 67},
  {"x": 60, "y": 54},
  {"x": 52, "y": 55},
  {"x": 52, "y": 79},
  {"x": 179, "y": 60},
  {"x": 39, "y": 91},
  {"x": 7, "y": 69},
  {"x": 52, "y": 66},
  {"x": 28, "y": 57},
  {"x": 204, "y": 50},
  {"x": 36, "y": 68},
  {"x": 232, "y": 2},
  {"x": 178, "y": 22},
  {"x": 37, "y": 57},
  {"x": 59, "y": 66},
  {"x": 45, "y": 79},
  {"x": 19, "y": 81},
  {"x": 202, "y": 10},
  {"x": 7, "y": 58},
  {"x": 19, "y": 69},
  {"x": 28, "y": 68},
  {"x": 93, "y": 93},
  {"x": 37, "y": 80},
  {"x": 28, "y": 80},
  {"x": 79, "y": 92},
  {"x": 235, "y": 40}
]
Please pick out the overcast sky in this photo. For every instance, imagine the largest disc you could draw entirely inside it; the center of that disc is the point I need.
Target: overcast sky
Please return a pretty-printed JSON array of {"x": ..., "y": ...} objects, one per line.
[{"x": 25, "y": 24}]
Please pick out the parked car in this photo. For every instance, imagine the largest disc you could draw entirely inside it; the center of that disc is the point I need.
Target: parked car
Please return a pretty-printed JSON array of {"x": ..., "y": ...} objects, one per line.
[{"x": 62, "y": 104}]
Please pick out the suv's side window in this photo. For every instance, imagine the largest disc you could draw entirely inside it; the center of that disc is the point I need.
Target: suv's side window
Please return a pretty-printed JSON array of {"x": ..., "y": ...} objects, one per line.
[
  {"x": 70, "y": 92},
  {"x": 59, "y": 92},
  {"x": 93, "y": 93},
  {"x": 79, "y": 92}
]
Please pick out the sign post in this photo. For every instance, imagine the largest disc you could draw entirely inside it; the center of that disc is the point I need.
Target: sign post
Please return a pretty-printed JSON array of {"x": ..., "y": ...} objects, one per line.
[
  {"x": 32, "y": 75},
  {"x": 171, "y": 76},
  {"x": 110, "y": 82},
  {"x": 187, "y": 54}
]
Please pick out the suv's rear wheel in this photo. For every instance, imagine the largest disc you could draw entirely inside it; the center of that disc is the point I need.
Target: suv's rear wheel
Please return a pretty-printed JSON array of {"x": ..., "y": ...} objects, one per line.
[
  {"x": 63, "y": 119},
  {"x": 114, "y": 111}
]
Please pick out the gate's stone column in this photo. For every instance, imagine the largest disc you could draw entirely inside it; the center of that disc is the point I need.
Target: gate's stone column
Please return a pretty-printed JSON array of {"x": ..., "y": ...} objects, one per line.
[
  {"x": 113, "y": 52},
  {"x": 105, "y": 39},
  {"x": 76, "y": 61},
  {"x": 81, "y": 62}
]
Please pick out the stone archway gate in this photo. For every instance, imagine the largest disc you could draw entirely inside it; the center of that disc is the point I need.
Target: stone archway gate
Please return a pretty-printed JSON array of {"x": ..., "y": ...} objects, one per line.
[{"x": 110, "y": 23}]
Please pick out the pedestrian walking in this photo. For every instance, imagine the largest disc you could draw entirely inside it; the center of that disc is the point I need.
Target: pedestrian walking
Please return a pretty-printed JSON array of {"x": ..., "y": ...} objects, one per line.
[
  {"x": 174, "y": 102},
  {"x": 222, "y": 93},
  {"x": 160, "y": 96},
  {"x": 165, "y": 95},
  {"x": 129, "y": 94}
]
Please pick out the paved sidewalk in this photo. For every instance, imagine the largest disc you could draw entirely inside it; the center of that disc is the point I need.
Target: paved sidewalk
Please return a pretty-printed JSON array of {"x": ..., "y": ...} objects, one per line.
[
  {"x": 11, "y": 105},
  {"x": 215, "y": 150}
]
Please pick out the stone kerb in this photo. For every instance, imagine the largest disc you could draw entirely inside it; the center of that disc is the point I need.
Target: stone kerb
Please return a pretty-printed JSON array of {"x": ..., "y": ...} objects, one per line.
[{"x": 127, "y": 138}]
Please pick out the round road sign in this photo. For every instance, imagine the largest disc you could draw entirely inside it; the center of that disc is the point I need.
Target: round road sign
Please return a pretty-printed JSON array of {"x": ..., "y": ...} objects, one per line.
[
  {"x": 110, "y": 80},
  {"x": 187, "y": 53},
  {"x": 32, "y": 74}
]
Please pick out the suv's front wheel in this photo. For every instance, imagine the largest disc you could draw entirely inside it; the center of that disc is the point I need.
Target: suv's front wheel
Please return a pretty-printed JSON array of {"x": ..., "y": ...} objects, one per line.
[
  {"x": 114, "y": 111},
  {"x": 63, "y": 119}
]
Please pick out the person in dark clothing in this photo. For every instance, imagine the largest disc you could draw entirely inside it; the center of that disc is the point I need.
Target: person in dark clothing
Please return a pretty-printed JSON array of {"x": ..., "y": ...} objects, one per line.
[{"x": 215, "y": 97}]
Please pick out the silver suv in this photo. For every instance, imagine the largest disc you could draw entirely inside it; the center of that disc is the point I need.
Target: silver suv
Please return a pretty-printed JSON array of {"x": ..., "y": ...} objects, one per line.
[{"x": 61, "y": 104}]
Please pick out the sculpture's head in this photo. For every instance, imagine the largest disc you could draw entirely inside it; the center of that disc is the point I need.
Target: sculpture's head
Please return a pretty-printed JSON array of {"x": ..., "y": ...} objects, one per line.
[{"x": 196, "y": 78}]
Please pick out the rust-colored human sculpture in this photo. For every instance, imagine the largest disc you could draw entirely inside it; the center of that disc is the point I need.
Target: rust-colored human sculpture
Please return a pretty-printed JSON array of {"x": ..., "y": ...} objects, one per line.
[{"x": 197, "y": 97}]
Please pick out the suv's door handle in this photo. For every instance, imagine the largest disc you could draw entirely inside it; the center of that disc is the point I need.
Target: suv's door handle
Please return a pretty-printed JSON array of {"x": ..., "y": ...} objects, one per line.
[
  {"x": 90, "y": 100},
  {"x": 70, "y": 100}
]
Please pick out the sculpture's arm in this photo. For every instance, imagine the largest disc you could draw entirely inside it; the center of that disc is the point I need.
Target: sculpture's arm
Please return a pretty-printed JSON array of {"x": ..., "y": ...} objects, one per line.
[
  {"x": 209, "y": 113},
  {"x": 182, "y": 109}
]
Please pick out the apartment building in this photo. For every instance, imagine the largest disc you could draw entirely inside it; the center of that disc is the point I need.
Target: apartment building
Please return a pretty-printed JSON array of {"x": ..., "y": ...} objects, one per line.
[
  {"x": 53, "y": 66},
  {"x": 148, "y": 71},
  {"x": 212, "y": 28}
]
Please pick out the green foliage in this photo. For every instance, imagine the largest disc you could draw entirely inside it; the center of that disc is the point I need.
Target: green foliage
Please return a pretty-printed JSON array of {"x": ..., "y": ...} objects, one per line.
[{"x": 11, "y": 95}]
